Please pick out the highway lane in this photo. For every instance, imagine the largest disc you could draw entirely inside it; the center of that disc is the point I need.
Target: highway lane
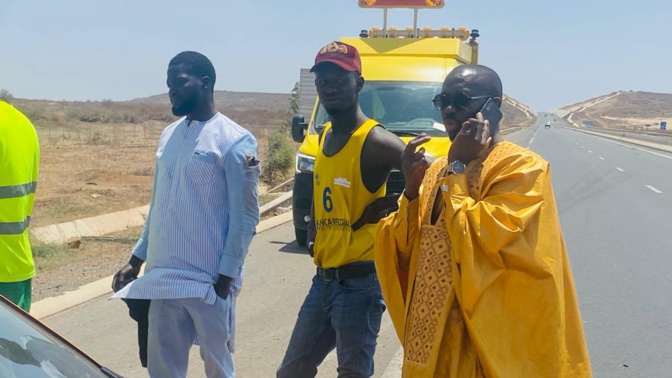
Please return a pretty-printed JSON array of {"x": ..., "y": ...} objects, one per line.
[
  {"x": 615, "y": 204},
  {"x": 615, "y": 229}
]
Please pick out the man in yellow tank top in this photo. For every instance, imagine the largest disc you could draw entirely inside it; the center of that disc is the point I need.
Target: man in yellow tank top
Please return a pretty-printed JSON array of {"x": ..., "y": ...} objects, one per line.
[
  {"x": 344, "y": 306},
  {"x": 19, "y": 162}
]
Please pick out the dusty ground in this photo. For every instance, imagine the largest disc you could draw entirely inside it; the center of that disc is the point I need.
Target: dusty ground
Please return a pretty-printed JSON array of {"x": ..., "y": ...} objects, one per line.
[
  {"x": 61, "y": 269},
  {"x": 88, "y": 170},
  {"x": 82, "y": 181}
]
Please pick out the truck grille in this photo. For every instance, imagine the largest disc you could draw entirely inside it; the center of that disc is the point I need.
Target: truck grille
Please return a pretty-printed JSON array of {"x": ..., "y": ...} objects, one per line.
[{"x": 395, "y": 182}]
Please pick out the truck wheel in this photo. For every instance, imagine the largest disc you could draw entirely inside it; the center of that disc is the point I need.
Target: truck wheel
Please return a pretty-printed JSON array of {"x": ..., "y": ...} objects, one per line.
[{"x": 301, "y": 236}]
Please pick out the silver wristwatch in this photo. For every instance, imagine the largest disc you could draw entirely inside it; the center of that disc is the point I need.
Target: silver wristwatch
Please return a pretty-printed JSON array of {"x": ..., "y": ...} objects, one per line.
[{"x": 457, "y": 167}]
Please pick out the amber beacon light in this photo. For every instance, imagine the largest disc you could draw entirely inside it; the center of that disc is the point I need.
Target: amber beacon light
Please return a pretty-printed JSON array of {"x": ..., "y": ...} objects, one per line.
[{"x": 401, "y": 3}]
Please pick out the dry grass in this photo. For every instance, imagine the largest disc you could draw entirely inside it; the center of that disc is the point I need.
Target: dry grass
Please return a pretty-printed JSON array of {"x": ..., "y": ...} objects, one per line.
[
  {"x": 265, "y": 198},
  {"x": 61, "y": 269},
  {"x": 51, "y": 256},
  {"x": 98, "y": 157},
  {"x": 54, "y": 256},
  {"x": 123, "y": 123}
]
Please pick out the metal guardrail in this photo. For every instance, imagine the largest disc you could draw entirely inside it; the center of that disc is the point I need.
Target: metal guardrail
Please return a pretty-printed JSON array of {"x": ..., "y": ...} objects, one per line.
[
  {"x": 645, "y": 132},
  {"x": 644, "y": 136},
  {"x": 622, "y": 138},
  {"x": 278, "y": 187},
  {"x": 275, "y": 203},
  {"x": 514, "y": 129}
]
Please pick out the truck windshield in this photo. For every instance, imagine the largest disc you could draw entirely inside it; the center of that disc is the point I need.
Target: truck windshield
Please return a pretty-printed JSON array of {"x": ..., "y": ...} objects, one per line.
[{"x": 404, "y": 108}]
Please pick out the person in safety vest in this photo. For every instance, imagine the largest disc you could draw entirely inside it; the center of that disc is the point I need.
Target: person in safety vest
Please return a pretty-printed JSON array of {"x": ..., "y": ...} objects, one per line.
[{"x": 19, "y": 164}]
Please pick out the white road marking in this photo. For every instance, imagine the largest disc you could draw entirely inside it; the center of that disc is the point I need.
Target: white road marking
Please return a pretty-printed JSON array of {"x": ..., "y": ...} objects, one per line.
[
  {"x": 654, "y": 189},
  {"x": 583, "y": 147},
  {"x": 620, "y": 169},
  {"x": 531, "y": 140},
  {"x": 601, "y": 158},
  {"x": 590, "y": 151}
]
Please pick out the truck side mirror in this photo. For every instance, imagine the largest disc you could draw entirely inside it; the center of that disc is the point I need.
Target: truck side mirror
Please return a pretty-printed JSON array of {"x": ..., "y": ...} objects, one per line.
[{"x": 299, "y": 126}]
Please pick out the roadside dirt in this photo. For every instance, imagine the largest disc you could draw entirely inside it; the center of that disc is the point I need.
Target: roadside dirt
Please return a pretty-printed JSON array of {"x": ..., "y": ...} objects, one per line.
[
  {"x": 82, "y": 181},
  {"x": 62, "y": 269}
]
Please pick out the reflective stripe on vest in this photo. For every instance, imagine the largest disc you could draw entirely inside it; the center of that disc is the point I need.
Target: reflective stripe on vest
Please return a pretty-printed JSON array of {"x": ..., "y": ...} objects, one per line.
[
  {"x": 17, "y": 190},
  {"x": 14, "y": 228}
]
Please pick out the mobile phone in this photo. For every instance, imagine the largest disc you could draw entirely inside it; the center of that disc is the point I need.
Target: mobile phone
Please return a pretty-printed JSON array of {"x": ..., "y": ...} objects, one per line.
[{"x": 492, "y": 113}]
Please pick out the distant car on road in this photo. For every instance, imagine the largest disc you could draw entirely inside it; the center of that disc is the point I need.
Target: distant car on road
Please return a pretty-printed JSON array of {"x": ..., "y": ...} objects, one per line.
[
  {"x": 29, "y": 349},
  {"x": 547, "y": 125}
]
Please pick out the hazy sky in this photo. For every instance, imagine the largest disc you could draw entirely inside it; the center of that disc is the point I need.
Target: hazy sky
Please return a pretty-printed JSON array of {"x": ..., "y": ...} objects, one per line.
[{"x": 549, "y": 53}]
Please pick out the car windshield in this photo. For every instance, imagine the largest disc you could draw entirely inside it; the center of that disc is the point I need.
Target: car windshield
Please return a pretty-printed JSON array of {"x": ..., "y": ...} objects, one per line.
[
  {"x": 404, "y": 108},
  {"x": 28, "y": 351}
]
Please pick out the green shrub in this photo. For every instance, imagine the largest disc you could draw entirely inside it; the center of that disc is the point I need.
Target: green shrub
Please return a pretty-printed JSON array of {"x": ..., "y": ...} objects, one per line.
[{"x": 279, "y": 157}]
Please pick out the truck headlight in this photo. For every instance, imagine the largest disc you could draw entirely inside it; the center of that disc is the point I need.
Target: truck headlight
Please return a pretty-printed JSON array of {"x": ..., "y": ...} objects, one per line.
[{"x": 304, "y": 163}]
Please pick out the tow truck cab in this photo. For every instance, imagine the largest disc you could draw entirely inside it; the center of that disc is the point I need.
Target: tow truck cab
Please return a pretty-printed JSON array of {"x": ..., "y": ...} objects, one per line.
[{"x": 403, "y": 71}]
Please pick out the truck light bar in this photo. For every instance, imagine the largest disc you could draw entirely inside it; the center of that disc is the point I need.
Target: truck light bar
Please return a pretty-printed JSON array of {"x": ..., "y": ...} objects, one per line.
[{"x": 461, "y": 33}]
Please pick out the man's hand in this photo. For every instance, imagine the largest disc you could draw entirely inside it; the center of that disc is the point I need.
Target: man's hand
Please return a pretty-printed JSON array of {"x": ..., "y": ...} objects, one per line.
[
  {"x": 222, "y": 286},
  {"x": 310, "y": 245},
  {"x": 376, "y": 211},
  {"x": 127, "y": 274},
  {"x": 472, "y": 140},
  {"x": 311, "y": 232},
  {"x": 414, "y": 164}
]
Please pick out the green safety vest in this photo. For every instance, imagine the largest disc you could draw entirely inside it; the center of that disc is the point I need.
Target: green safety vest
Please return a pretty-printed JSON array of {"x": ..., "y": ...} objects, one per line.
[{"x": 19, "y": 161}]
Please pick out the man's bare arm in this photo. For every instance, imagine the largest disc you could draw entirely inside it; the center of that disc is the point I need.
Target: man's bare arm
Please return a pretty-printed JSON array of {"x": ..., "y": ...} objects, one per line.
[
  {"x": 381, "y": 153},
  {"x": 382, "y": 150}
]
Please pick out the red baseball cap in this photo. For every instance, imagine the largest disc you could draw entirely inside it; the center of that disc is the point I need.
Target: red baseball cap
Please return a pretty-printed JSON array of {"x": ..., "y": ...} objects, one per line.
[{"x": 340, "y": 54}]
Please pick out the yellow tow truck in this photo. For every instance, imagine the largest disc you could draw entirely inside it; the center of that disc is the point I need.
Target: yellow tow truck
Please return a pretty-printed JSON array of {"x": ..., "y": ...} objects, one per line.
[{"x": 403, "y": 71}]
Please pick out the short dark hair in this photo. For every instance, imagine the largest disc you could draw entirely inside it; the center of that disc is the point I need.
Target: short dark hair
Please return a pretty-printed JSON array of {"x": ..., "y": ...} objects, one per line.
[{"x": 195, "y": 64}]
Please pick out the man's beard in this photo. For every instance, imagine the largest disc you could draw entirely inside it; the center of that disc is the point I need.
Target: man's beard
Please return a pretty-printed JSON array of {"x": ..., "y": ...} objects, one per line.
[
  {"x": 453, "y": 133},
  {"x": 187, "y": 107},
  {"x": 339, "y": 111},
  {"x": 334, "y": 112}
]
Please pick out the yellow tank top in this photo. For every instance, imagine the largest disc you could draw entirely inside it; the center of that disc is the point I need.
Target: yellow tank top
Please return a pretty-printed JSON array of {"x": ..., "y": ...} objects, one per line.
[{"x": 339, "y": 200}]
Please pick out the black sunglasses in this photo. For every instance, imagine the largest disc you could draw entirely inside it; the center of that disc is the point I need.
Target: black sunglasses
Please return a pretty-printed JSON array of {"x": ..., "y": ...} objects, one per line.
[{"x": 458, "y": 100}]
